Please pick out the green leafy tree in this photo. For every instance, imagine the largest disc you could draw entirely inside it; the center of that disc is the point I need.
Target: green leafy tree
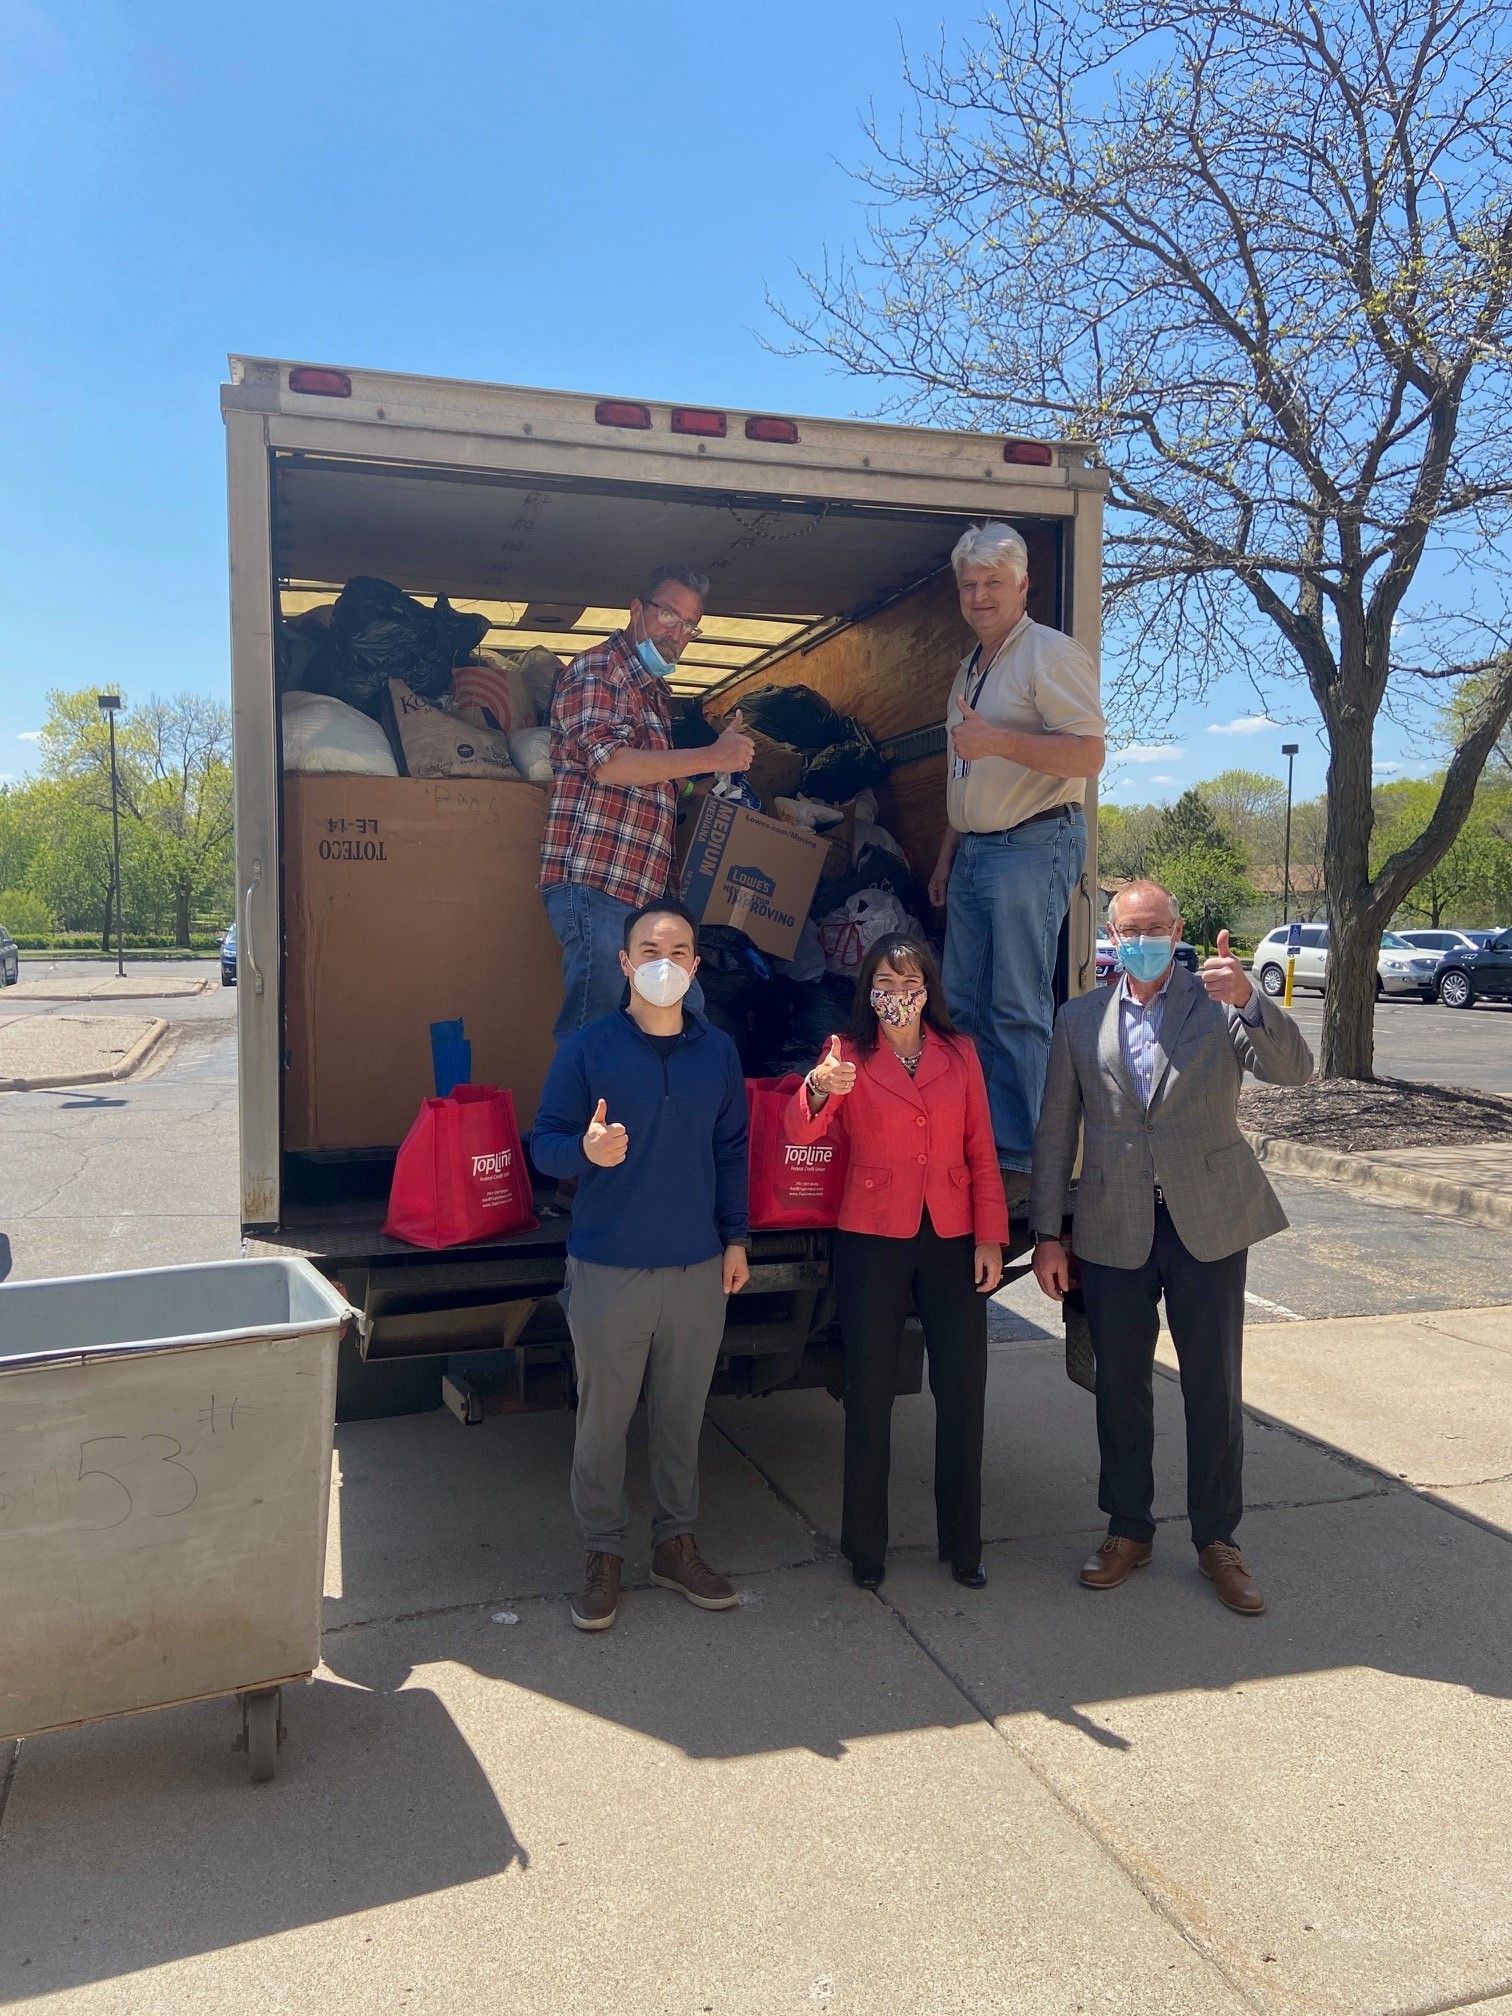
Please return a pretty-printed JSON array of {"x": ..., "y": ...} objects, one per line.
[
  {"x": 1472, "y": 882},
  {"x": 1190, "y": 822},
  {"x": 1126, "y": 841},
  {"x": 1251, "y": 811},
  {"x": 23, "y": 913},
  {"x": 174, "y": 781},
  {"x": 1209, "y": 882}
]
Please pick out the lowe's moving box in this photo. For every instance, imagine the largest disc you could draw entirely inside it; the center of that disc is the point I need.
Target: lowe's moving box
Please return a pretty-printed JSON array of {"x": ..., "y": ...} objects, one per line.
[
  {"x": 408, "y": 901},
  {"x": 756, "y": 873}
]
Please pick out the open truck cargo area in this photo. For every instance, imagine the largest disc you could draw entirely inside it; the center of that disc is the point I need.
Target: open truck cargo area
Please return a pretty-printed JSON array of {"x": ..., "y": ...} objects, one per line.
[{"x": 371, "y": 907}]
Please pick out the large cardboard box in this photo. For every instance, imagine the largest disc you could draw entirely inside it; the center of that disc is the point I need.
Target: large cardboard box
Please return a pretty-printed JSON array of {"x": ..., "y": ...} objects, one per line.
[
  {"x": 755, "y": 873},
  {"x": 408, "y": 901}
]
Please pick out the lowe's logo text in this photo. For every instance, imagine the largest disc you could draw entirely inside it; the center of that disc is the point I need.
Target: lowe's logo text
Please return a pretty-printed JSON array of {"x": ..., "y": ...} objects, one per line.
[{"x": 752, "y": 879}]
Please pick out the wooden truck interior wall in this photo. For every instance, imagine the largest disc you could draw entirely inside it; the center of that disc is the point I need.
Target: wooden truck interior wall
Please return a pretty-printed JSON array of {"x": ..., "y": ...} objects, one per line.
[{"x": 893, "y": 672}]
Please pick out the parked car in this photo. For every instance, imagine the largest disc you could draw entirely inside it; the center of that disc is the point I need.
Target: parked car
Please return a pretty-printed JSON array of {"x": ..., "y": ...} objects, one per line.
[
  {"x": 1441, "y": 941},
  {"x": 1470, "y": 973},
  {"x": 228, "y": 957},
  {"x": 10, "y": 959},
  {"x": 1400, "y": 968},
  {"x": 1107, "y": 959}
]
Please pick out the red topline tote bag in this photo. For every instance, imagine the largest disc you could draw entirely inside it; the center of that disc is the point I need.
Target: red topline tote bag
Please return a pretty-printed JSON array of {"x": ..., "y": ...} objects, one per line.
[
  {"x": 794, "y": 1186},
  {"x": 461, "y": 1172}
]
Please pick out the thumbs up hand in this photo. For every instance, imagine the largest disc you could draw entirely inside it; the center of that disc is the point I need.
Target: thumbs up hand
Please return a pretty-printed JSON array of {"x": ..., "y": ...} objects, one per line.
[
  {"x": 831, "y": 1077},
  {"x": 734, "y": 751},
  {"x": 972, "y": 736},
  {"x": 605, "y": 1145},
  {"x": 1225, "y": 978}
]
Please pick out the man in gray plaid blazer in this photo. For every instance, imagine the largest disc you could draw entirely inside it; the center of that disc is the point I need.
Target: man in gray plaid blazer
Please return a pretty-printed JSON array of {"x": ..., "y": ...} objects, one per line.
[{"x": 1147, "y": 1074}]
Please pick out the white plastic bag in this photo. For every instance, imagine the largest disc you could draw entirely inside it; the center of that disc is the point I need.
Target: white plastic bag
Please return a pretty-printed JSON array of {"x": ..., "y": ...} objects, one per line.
[
  {"x": 328, "y": 738},
  {"x": 848, "y": 934},
  {"x": 530, "y": 752}
]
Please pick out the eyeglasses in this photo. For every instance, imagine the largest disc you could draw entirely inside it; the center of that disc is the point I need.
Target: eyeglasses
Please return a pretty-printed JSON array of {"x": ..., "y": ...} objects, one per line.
[{"x": 672, "y": 621}]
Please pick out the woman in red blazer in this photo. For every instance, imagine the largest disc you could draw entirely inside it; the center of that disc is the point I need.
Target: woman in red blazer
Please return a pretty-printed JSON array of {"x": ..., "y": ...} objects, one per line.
[{"x": 922, "y": 1223}]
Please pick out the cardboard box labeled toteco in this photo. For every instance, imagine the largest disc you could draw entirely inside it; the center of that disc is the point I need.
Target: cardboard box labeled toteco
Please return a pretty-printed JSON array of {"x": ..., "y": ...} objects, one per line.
[
  {"x": 752, "y": 872},
  {"x": 408, "y": 901}
]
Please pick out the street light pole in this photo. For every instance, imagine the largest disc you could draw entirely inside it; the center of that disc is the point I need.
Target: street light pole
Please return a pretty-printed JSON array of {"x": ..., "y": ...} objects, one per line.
[
  {"x": 1289, "y": 751},
  {"x": 109, "y": 707}
]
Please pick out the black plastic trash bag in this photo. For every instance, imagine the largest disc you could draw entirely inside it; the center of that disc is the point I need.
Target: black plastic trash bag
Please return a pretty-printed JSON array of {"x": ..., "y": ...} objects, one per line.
[
  {"x": 849, "y": 764},
  {"x": 796, "y": 715},
  {"x": 381, "y": 634},
  {"x": 740, "y": 994},
  {"x": 689, "y": 728}
]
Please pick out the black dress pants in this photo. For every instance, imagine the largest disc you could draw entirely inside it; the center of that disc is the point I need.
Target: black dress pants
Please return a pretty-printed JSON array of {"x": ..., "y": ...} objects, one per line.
[
  {"x": 877, "y": 1281},
  {"x": 1205, "y": 1309}
]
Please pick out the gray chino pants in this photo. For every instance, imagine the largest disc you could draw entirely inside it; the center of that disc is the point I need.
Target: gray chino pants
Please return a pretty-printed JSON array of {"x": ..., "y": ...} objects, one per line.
[{"x": 657, "y": 1325}]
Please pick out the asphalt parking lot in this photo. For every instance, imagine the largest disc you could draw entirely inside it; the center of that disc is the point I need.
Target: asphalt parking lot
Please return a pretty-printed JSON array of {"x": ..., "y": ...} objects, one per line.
[{"x": 1439, "y": 1046}]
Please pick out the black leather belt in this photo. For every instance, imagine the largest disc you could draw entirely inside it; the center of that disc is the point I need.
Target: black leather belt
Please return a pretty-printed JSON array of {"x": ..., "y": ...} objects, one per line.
[{"x": 1050, "y": 812}]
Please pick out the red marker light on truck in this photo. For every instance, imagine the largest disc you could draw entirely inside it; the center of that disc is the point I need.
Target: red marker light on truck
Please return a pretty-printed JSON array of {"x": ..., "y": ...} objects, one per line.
[
  {"x": 698, "y": 420},
  {"x": 329, "y": 384},
  {"x": 767, "y": 427},
  {"x": 1035, "y": 452},
  {"x": 621, "y": 413}
]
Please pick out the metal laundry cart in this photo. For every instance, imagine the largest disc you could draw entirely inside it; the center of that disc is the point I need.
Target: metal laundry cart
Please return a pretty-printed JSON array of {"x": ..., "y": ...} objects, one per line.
[{"x": 165, "y": 1465}]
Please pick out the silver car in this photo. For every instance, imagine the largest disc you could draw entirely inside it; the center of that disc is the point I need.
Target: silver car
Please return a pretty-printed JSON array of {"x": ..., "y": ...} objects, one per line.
[{"x": 1400, "y": 969}]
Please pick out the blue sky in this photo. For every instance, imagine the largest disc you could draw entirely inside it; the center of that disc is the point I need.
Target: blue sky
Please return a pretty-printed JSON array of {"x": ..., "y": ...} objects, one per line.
[{"x": 595, "y": 198}]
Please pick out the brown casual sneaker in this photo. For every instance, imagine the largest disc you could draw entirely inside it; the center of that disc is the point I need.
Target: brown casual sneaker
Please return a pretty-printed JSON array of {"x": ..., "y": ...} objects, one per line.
[
  {"x": 1224, "y": 1567},
  {"x": 598, "y": 1605},
  {"x": 1114, "y": 1562},
  {"x": 677, "y": 1564}
]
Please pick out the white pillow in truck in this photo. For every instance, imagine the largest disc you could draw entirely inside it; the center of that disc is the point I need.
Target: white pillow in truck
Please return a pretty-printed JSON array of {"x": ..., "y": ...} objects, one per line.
[{"x": 325, "y": 737}]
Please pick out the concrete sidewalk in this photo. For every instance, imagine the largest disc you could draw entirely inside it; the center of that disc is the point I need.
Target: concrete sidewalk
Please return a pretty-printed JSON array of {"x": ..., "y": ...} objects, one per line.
[{"x": 1032, "y": 1800}]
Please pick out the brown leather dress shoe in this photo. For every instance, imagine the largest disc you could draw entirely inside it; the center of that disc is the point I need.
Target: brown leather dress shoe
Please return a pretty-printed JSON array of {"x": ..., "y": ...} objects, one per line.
[
  {"x": 1114, "y": 1562},
  {"x": 1224, "y": 1567},
  {"x": 677, "y": 1564}
]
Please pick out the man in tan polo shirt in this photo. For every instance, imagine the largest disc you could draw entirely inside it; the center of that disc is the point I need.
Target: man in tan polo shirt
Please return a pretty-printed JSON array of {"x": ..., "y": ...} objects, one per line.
[{"x": 1025, "y": 732}]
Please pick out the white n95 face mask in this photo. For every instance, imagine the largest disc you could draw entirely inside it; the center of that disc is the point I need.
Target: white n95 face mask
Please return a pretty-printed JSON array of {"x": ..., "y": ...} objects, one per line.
[{"x": 661, "y": 982}]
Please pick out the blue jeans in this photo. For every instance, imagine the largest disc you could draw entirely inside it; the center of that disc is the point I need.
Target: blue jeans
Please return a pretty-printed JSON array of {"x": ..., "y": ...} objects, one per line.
[
  {"x": 590, "y": 928},
  {"x": 1004, "y": 910}
]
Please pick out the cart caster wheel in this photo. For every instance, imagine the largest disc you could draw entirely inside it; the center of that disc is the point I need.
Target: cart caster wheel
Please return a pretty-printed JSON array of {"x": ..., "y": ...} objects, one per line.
[{"x": 262, "y": 1729}]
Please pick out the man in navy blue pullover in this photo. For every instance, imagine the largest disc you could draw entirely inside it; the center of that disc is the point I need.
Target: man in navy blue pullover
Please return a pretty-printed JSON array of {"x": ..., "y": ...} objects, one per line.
[{"x": 647, "y": 1108}]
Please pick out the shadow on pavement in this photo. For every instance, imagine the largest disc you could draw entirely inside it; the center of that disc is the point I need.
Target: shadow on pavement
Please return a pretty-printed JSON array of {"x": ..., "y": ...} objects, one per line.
[{"x": 131, "y": 1844}]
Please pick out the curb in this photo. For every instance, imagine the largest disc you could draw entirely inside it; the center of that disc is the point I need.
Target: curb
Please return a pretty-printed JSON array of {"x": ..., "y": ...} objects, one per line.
[
  {"x": 1385, "y": 1181},
  {"x": 100, "y": 1000},
  {"x": 138, "y": 1054}
]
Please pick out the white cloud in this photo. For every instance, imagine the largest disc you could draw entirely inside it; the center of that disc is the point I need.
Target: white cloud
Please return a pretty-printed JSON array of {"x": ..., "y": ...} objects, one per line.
[
  {"x": 1165, "y": 780},
  {"x": 1149, "y": 752},
  {"x": 1380, "y": 768},
  {"x": 1247, "y": 724},
  {"x": 31, "y": 735},
  {"x": 7, "y": 777}
]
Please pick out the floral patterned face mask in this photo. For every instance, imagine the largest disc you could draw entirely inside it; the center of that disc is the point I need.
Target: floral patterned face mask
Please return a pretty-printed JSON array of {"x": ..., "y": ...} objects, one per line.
[{"x": 899, "y": 1010}]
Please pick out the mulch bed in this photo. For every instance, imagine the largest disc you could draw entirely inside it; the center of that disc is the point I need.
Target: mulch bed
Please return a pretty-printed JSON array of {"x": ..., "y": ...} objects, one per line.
[{"x": 1343, "y": 1114}]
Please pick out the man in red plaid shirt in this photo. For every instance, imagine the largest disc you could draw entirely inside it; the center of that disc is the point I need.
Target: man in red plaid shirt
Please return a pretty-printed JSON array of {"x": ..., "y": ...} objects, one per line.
[{"x": 608, "y": 843}]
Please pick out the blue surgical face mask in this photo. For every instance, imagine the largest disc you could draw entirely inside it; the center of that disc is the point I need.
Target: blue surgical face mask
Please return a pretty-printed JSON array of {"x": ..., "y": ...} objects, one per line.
[
  {"x": 1144, "y": 958},
  {"x": 652, "y": 659}
]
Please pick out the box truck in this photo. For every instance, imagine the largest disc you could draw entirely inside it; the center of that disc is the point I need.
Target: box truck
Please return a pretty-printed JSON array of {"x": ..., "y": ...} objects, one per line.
[{"x": 370, "y": 907}]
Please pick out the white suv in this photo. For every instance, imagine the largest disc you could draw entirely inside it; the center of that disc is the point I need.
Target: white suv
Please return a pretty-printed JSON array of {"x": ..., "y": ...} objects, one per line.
[{"x": 1400, "y": 969}]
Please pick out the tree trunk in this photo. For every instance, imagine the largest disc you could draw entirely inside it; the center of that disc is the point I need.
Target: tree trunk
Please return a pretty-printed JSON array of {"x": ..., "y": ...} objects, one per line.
[
  {"x": 181, "y": 917},
  {"x": 1354, "y": 927}
]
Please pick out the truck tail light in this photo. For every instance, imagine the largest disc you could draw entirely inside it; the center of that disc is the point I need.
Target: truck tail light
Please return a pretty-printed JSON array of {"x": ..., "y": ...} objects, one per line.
[
  {"x": 1038, "y": 453},
  {"x": 768, "y": 427},
  {"x": 698, "y": 420},
  {"x": 328, "y": 384},
  {"x": 622, "y": 413}
]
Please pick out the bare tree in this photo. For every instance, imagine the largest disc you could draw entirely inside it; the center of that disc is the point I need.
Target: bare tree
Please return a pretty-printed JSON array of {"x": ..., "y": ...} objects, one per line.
[{"x": 1260, "y": 255}]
